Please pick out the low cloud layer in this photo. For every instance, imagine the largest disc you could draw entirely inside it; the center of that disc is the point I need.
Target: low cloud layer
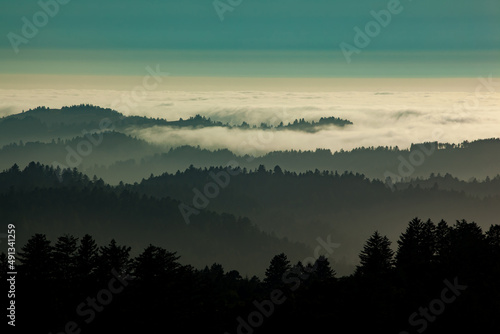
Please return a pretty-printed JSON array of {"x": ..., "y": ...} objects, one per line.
[{"x": 387, "y": 118}]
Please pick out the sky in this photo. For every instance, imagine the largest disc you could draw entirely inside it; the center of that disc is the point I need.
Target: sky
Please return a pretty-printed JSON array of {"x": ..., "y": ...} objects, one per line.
[
  {"x": 397, "y": 69},
  {"x": 281, "y": 38}
]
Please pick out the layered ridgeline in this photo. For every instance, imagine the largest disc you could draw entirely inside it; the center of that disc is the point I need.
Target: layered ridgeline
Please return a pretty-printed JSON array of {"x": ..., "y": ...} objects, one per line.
[
  {"x": 302, "y": 206},
  {"x": 40, "y": 199},
  {"x": 98, "y": 141},
  {"x": 481, "y": 188},
  {"x": 178, "y": 210},
  {"x": 468, "y": 161},
  {"x": 45, "y": 124},
  {"x": 120, "y": 157}
]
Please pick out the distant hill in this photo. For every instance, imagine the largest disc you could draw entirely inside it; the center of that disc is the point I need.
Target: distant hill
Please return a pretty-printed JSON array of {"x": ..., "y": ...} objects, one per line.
[
  {"x": 70, "y": 153},
  {"x": 123, "y": 158},
  {"x": 96, "y": 141},
  {"x": 36, "y": 201},
  {"x": 298, "y": 206},
  {"x": 304, "y": 206},
  {"x": 44, "y": 124},
  {"x": 487, "y": 187},
  {"x": 478, "y": 159}
]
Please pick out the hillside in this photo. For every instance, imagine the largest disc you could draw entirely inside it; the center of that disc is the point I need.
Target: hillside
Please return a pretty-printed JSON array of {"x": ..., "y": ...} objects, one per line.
[
  {"x": 46, "y": 124},
  {"x": 36, "y": 201},
  {"x": 303, "y": 206}
]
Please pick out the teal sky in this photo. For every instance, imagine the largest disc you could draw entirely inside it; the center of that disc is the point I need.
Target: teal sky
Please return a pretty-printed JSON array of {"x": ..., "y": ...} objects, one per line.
[{"x": 256, "y": 38}]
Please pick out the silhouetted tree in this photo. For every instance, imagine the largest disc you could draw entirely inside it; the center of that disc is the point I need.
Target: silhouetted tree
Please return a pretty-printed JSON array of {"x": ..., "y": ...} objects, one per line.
[
  {"x": 65, "y": 256},
  {"x": 274, "y": 273},
  {"x": 278, "y": 170},
  {"x": 233, "y": 275},
  {"x": 493, "y": 238},
  {"x": 216, "y": 272},
  {"x": 87, "y": 257},
  {"x": 261, "y": 170},
  {"x": 113, "y": 257},
  {"x": 442, "y": 237},
  {"x": 36, "y": 258},
  {"x": 468, "y": 247},
  {"x": 416, "y": 247},
  {"x": 155, "y": 263},
  {"x": 323, "y": 272},
  {"x": 376, "y": 258}
]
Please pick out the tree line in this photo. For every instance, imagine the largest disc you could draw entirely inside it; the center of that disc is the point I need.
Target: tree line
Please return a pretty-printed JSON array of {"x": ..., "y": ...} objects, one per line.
[{"x": 394, "y": 289}]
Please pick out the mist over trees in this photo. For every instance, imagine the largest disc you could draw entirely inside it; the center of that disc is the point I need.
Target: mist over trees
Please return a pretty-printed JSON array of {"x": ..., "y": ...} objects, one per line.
[
  {"x": 115, "y": 233},
  {"x": 120, "y": 157},
  {"x": 55, "y": 136},
  {"x": 37, "y": 202},
  {"x": 44, "y": 124},
  {"x": 302, "y": 206},
  {"x": 299, "y": 207}
]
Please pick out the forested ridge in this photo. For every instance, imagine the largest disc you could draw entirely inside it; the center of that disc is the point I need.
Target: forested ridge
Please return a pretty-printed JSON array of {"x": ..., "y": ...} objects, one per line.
[
  {"x": 302, "y": 206},
  {"x": 117, "y": 234},
  {"x": 41, "y": 199},
  {"x": 105, "y": 142},
  {"x": 44, "y": 123},
  {"x": 272, "y": 208},
  {"x": 441, "y": 278}
]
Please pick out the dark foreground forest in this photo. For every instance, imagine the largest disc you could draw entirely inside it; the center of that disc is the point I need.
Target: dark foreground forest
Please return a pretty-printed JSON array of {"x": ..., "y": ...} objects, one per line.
[{"x": 441, "y": 279}]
